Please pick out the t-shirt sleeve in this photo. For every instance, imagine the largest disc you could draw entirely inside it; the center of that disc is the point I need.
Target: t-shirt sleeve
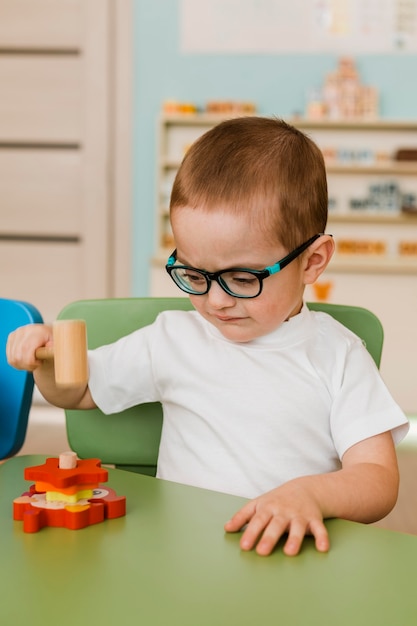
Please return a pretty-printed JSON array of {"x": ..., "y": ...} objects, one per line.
[
  {"x": 363, "y": 407},
  {"x": 121, "y": 374}
]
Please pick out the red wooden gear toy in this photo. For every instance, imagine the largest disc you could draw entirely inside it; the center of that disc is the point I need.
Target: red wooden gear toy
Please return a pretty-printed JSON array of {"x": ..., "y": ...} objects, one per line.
[{"x": 67, "y": 493}]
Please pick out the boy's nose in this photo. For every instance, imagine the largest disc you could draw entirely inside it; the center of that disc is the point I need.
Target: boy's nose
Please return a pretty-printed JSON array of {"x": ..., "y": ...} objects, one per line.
[{"x": 218, "y": 298}]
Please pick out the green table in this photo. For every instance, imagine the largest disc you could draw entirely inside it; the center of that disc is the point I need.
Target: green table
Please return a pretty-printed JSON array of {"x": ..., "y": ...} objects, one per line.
[{"x": 168, "y": 562}]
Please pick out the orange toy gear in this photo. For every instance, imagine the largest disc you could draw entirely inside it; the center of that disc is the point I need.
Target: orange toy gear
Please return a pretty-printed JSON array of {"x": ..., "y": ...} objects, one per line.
[{"x": 67, "y": 493}]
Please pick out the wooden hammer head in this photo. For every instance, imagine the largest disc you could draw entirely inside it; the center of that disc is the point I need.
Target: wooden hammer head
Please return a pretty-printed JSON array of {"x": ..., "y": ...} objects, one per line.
[{"x": 69, "y": 353}]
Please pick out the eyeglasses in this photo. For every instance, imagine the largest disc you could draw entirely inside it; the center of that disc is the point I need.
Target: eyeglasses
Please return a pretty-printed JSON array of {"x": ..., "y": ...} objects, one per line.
[{"x": 239, "y": 282}]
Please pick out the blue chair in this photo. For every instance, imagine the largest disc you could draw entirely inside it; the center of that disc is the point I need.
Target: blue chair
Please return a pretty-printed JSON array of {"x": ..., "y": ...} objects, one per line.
[{"x": 16, "y": 386}]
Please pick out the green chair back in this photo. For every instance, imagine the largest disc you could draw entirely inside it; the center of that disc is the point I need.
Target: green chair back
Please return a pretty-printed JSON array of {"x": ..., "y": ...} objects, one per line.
[
  {"x": 360, "y": 321},
  {"x": 130, "y": 439}
]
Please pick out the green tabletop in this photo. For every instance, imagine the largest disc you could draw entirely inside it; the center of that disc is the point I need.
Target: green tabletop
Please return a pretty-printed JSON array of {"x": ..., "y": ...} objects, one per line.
[{"x": 169, "y": 562}]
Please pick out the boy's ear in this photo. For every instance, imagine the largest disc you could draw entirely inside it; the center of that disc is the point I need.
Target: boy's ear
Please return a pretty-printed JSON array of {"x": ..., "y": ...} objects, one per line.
[{"x": 317, "y": 258}]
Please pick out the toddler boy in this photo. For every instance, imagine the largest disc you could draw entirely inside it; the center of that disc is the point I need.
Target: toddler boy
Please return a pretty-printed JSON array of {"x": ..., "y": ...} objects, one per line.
[{"x": 262, "y": 398}]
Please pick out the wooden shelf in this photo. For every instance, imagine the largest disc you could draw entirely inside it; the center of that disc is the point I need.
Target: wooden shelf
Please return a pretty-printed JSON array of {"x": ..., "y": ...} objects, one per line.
[
  {"x": 209, "y": 119},
  {"x": 354, "y": 217},
  {"x": 372, "y": 265},
  {"x": 392, "y": 168},
  {"x": 196, "y": 119},
  {"x": 375, "y": 124},
  {"x": 357, "y": 217},
  {"x": 170, "y": 164}
]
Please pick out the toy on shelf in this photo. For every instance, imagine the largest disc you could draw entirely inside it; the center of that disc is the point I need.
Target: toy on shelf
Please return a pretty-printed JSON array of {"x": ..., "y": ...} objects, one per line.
[
  {"x": 382, "y": 197},
  {"x": 231, "y": 107},
  {"x": 343, "y": 96},
  {"x": 216, "y": 107},
  {"x": 407, "y": 248},
  {"x": 173, "y": 107},
  {"x": 409, "y": 203},
  {"x": 69, "y": 353},
  {"x": 322, "y": 289},
  {"x": 406, "y": 154},
  {"x": 361, "y": 246},
  {"x": 358, "y": 157},
  {"x": 67, "y": 493}
]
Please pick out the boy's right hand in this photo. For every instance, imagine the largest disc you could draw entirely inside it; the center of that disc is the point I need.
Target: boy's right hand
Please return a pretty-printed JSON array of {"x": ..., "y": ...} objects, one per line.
[
  {"x": 21, "y": 353},
  {"x": 22, "y": 345}
]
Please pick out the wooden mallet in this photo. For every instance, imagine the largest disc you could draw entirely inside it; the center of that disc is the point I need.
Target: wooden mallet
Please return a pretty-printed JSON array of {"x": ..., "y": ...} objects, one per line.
[{"x": 69, "y": 353}]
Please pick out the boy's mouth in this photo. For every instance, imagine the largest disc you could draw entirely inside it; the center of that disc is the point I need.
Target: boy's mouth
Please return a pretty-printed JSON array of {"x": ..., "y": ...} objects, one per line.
[{"x": 227, "y": 318}]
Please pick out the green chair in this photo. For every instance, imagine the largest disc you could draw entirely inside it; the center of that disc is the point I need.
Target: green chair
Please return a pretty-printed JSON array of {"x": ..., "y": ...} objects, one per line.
[
  {"x": 130, "y": 439},
  {"x": 360, "y": 321}
]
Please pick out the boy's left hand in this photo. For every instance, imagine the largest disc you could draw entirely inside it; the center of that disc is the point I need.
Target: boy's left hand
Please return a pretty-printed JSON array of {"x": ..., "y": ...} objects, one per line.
[
  {"x": 364, "y": 490},
  {"x": 290, "y": 509}
]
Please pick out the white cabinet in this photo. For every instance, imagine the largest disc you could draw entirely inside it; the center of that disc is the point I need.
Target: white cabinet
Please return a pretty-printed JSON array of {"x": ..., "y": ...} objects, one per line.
[
  {"x": 376, "y": 260},
  {"x": 58, "y": 224}
]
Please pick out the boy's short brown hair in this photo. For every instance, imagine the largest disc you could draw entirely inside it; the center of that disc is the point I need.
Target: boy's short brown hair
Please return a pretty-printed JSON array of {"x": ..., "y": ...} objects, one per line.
[{"x": 259, "y": 167}]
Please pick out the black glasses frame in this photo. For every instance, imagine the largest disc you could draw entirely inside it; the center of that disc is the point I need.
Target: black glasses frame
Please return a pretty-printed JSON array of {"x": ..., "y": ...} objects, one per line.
[{"x": 217, "y": 276}]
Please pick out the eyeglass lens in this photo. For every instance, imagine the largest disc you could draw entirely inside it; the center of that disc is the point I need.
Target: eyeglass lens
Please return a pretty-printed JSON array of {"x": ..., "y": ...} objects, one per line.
[{"x": 239, "y": 283}]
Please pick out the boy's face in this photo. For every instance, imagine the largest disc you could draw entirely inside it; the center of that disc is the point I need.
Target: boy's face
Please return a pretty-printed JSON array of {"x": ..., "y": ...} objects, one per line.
[{"x": 217, "y": 241}]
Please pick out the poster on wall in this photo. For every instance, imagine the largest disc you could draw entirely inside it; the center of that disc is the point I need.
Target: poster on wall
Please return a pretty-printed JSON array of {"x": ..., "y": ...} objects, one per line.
[{"x": 298, "y": 26}]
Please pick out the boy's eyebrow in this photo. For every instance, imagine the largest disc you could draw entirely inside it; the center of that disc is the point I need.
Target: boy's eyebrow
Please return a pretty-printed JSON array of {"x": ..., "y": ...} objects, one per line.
[{"x": 253, "y": 266}]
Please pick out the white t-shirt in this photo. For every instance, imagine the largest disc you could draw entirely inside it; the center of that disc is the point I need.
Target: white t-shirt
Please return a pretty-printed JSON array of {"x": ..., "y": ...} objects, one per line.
[{"x": 243, "y": 418}]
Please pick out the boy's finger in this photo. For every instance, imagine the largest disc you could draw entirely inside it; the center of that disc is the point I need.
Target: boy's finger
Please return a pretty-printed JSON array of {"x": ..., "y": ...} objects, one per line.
[
  {"x": 321, "y": 536},
  {"x": 240, "y": 518},
  {"x": 271, "y": 535},
  {"x": 296, "y": 534}
]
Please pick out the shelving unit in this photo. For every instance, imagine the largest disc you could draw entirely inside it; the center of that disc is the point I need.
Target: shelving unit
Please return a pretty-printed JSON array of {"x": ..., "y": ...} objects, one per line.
[
  {"x": 363, "y": 155},
  {"x": 367, "y": 152}
]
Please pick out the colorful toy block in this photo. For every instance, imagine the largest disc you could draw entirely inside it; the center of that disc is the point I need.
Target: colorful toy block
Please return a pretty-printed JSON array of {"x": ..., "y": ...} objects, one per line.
[
  {"x": 343, "y": 96},
  {"x": 67, "y": 493}
]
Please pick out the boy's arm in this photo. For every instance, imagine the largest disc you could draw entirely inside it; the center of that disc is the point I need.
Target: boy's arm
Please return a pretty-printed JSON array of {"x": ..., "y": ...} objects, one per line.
[
  {"x": 364, "y": 490},
  {"x": 20, "y": 349}
]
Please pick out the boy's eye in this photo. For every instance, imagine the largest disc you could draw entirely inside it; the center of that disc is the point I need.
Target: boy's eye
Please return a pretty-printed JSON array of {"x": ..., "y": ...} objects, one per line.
[
  {"x": 194, "y": 277},
  {"x": 241, "y": 279}
]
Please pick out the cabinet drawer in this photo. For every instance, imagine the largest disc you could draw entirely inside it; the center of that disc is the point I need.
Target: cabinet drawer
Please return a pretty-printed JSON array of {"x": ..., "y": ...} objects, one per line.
[
  {"x": 49, "y": 275},
  {"x": 41, "y": 99},
  {"x": 42, "y": 24},
  {"x": 40, "y": 192}
]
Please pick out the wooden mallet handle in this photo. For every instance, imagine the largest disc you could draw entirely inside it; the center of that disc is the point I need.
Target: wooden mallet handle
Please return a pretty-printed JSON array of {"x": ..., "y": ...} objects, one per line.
[
  {"x": 69, "y": 353},
  {"x": 45, "y": 353}
]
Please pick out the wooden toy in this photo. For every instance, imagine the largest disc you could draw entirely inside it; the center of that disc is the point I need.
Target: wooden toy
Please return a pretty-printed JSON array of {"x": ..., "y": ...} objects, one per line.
[
  {"x": 69, "y": 353},
  {"x": 343, "y": 96},
  {"x": 67, "y": 493},
  {"x": 365, "y": 246},
  {"x": 231, "y": 107},
  {"x": 322, "y": 290},
  {"x": 174, "y": 106},
  {"x": 407, "y": 248}
]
